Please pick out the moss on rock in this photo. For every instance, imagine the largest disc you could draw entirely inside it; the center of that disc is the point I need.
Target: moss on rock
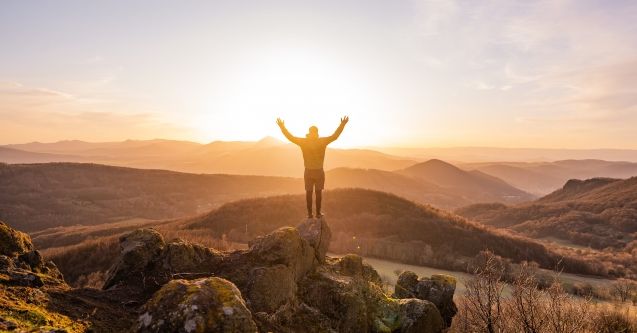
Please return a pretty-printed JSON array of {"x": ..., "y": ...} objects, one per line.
[{"x": 13, "y": 242}]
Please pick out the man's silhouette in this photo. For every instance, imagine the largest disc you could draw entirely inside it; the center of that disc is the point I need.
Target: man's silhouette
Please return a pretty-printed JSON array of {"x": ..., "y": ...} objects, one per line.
[{"x": 313, "y": 148}]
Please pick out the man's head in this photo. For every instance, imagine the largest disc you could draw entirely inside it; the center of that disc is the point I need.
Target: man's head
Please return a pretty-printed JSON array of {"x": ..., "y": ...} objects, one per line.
[{"x": 313, "y": 132}]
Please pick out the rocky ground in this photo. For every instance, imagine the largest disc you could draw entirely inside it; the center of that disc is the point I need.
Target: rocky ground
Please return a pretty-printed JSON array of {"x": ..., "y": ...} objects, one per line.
[{"x": 283, "y": 283}]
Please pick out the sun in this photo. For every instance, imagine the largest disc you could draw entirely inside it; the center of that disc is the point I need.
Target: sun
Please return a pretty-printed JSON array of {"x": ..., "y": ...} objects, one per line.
[{"x": 303, "y": 88}]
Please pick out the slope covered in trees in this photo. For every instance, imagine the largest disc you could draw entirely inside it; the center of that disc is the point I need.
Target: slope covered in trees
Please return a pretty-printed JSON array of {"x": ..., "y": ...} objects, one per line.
[{"x": 597, "y": 212}]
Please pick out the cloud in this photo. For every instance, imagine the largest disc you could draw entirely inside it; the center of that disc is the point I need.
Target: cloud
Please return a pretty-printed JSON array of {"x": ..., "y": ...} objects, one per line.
[
  {"x": 44, "y": 114},
  {"x": 14, "y": 92}
]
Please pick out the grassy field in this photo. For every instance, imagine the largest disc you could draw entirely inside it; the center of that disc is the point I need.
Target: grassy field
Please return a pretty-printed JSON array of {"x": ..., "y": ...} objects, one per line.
[{"x": 387, "y": 270}]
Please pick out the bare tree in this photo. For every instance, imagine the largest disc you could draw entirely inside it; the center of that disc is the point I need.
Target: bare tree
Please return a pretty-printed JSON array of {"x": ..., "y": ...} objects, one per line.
[
  {"x": 566, "y": 314},
  {"x": 483, "y": 309},
  {"x": 623, "y": 289},
  {"x": 526, "y": 306}
]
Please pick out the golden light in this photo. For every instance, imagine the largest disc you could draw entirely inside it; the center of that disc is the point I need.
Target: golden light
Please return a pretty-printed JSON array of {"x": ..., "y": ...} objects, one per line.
[{"x": 303, "y": 88}]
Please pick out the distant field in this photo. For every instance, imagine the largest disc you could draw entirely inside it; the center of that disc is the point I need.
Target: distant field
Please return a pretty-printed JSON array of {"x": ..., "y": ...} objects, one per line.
[{"x": 387, "y": 270}]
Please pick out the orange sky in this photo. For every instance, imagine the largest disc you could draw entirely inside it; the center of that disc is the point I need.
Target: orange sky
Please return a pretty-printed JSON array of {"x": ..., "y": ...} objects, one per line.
[{"x": 409, "y": 73}]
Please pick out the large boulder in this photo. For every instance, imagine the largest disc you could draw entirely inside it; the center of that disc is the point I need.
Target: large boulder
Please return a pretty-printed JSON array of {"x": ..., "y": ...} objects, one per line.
[
  {"x": 179, "y": 257},
  {"x": 283, "y": 246},
  {"x": 419, "y": 316},
  {"x": 137, "y": 259},
  {"x": 318, "y": 234},
  {"x": 270, "y": 287},
  {"x": 438, "y": 289},
  {"x": 203, "y": 305}
]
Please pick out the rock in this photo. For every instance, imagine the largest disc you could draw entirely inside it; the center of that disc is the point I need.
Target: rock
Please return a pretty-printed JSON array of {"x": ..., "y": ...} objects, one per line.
[
  {"x": 419, "y": 316},
  {"x": 406, "y": 285},
  {"x": 203, "y": 305},
  {"x": 351, "y": 265},
  {"x": 52, "y": 270},
  {"x": 6, "y": 263},
  {"x": 33, "y": 259},
  {"x": 138, "y": 251},
  {"x": 286, "y": 287},
  {"x": 339, "y": 299},
  {"x": 270, "y": 287},
  {"x": 180, "y": 256},
  {"x": 438, "y": 289},
  {"x": 318, "y": 234},
  {"x": 13, "y": 242},
  {"x": 283, "y": 246},
  {"x": 24, "y": 278}
]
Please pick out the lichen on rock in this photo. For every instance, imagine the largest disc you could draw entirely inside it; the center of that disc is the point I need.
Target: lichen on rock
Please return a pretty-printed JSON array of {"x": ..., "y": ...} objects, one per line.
[{"x": 197, "y": 306}]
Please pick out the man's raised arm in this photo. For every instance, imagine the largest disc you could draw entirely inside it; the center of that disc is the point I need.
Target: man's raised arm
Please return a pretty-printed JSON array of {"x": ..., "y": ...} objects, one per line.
[
  {"x": 339, "y": 130},
  {"x": 287, "y": 133}
]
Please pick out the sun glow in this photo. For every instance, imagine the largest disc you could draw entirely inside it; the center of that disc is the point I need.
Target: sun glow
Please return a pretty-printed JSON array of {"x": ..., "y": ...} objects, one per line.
[{"x": 303, "y": 88}]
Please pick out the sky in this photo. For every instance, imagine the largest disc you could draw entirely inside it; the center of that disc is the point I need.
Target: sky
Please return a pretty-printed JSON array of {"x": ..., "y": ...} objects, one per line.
[{"x": 413, "y": 73}]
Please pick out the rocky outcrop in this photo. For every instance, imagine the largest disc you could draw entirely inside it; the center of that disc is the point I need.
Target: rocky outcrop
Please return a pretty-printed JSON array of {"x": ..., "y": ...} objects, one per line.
[
  {"x": 437, "y": 289},
  {"x": 20, "y": 264},
  {"x": 146, "y": 261},
  {"x": 13, "y": 242},
  {"x": 282, "y": 283},
  {"x": 27, "y": 286}
]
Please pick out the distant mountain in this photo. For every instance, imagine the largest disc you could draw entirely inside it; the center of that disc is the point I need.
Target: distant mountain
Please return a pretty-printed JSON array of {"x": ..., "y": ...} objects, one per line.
[
  {"x": 543, "y": 178},
  {"x": 283, "y": 160},
  {"x": 268, "y": 156},
  {"x": 10, "y": 155},
  {"x": 476, "y": 185},
  {"x": 598, "y": 212},
  {"x": 392, "y": 182},
  {"x": 491, "y": 154}
]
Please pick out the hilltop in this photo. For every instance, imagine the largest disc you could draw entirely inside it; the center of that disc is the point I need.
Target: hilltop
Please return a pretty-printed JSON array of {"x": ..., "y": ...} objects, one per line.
[
  {"x": 382, "y": 225},
  {"x": 283, "y": 282},
  {"x": 474, "y": 184},
  {"x": 365, "y": 222},
  {"x": 598, "y": 212}
]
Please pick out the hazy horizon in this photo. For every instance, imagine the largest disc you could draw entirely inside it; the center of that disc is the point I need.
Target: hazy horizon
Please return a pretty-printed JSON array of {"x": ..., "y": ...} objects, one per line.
[{"x": 409, "y": 73}]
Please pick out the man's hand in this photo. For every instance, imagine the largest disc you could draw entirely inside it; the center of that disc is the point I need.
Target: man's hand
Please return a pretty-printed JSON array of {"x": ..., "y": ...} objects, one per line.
[
  {"x": 344, "y": 120},
  {"x": 280, "y": 122}
]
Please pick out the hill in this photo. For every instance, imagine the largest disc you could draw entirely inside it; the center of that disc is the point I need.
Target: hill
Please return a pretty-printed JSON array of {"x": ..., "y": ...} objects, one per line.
[
  {"x": 598, "y": 212},
  {"x": 232, "y": 157},
  {"x": 379, "y": 224},
  {"x": 39, "y": 196},
  {"x": 542, "y": 178},
  {"x": 476, "y": 185},
  {"x": 405, "y": 186},
  {"x": 10, "y": 155}
]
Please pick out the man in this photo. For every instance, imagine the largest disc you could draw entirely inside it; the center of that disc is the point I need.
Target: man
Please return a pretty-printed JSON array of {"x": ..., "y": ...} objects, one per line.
[{"x": 313, "y": 148}]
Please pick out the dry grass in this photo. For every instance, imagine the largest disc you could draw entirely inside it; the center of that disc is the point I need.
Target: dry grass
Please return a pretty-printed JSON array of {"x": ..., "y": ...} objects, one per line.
[{"x": 529, "y": 308}]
